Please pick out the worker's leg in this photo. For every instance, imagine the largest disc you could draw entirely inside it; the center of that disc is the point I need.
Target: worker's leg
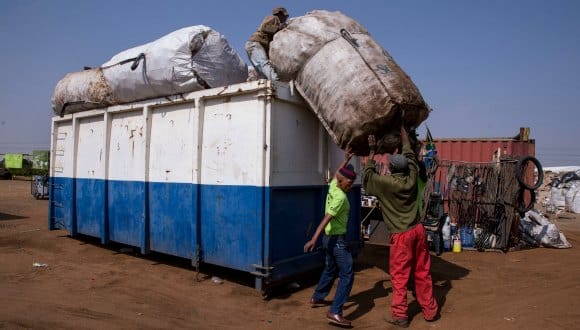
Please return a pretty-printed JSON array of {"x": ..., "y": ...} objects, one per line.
[
  {"x": 260, "y": 61},
  {"x": 345, "y": 276},
  {"x": 423, "y": 280},
  {"x": 328, "y": 274},
  {"x": 269, "y": 71},
  {"x": 400, "y": 267}
]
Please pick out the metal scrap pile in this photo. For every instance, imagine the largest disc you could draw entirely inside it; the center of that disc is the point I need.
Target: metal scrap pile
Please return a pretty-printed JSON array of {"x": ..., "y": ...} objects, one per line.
[{"x": 487, "y": 200}]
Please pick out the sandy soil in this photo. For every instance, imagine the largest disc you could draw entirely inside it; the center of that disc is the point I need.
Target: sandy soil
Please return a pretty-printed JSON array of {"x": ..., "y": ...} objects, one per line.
[{"x": 88, "y": 286}]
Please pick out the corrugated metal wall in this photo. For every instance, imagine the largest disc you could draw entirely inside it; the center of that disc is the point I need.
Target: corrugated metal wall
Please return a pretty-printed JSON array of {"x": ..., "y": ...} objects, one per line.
[
  {"x": 482, "y": 150},
  {"x": 472, "y": 150},
  {"x": 453, "y": 151}
]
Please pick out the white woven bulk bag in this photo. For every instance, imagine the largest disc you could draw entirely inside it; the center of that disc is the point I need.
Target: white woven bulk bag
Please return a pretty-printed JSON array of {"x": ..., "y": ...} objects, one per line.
[
  {"x": 186, "y": 60},
  {"x": 573, "y": 198},
  {"x": 558, "y": 197}
]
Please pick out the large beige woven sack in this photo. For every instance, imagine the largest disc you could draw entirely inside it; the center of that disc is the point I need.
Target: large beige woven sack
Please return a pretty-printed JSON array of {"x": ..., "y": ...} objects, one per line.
[{"x": 352, "y": 84}]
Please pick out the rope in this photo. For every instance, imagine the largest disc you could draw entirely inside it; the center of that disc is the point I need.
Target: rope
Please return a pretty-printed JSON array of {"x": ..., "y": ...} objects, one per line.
[{"x": 352, "y": 41}]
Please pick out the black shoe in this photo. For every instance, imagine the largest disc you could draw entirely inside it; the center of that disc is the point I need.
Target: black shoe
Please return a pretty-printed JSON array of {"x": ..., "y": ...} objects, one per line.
[
  {"x": 435, "y": 318},
  {"x": 401, "y": 323},
  {"x": 337, "y": 319}
]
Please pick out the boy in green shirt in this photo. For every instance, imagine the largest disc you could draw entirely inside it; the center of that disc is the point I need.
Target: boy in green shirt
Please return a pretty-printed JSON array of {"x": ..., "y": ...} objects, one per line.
[{"x": 338, "y": 258}]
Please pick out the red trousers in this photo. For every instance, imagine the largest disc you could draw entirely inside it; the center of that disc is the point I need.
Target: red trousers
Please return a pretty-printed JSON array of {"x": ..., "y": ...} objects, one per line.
[{"x": 409, "y": 253}]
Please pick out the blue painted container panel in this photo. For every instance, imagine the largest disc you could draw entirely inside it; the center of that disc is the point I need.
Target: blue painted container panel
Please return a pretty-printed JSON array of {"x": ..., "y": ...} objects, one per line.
[
  {"x": 90, "y": 206},
  {"x": 126, "y": 211},
  {"x": 61, "y": 203},
  {"x": 353, "y": 230},
  {"x": 172, "y": 214},
  {"x": 295, "y": 212},
  {"x": 232, "y": 224}
]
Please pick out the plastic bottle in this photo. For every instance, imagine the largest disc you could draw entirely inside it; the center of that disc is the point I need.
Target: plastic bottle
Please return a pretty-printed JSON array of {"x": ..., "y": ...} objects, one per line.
[
  {"x": 466, "y": 236},
  {"x": 446, "y": 233},
  {"x": 453, "y": 230}
]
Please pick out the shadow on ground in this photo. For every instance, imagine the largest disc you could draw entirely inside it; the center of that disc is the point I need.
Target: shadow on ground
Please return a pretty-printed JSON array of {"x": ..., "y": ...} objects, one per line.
[
  {"x": 6, "y": 216},
  {"x": 443, "y": 274}
]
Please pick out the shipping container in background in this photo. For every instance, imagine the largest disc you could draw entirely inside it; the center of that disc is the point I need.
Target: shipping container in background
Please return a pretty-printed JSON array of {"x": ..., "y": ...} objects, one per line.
[
  {"x": 471, "y": 150},
  {"x": 480, "y": 150},
  {"x": 232, "y": 176},
  {"x": 452, "y": 151}
]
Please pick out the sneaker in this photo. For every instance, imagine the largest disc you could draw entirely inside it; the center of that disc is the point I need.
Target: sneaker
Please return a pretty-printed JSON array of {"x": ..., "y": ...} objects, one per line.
[
  {"x": 401, "y": 323},
  {"x": 337, "y": 319}
]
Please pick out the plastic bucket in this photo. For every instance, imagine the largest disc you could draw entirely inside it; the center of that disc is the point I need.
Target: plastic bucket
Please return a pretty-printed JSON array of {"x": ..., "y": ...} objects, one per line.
[{"x": 456, "y": 245}]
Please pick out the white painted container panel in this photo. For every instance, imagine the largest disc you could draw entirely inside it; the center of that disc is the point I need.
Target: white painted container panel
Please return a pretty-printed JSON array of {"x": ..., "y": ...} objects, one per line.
[
  {"x": 173, "y": 143},
  {"x": 233, "y": 141},
  {"x": 90, "y": 162},
  {"x": 127, "y": 146},
  {"x": 63, "y": 149},
  {"x": 299, "y": 143}
]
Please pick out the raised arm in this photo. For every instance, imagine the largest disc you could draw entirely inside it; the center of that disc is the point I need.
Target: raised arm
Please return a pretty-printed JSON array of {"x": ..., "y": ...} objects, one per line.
[
  {"x": 372, "y": 146},
  {"x": 347, "y": 157}
]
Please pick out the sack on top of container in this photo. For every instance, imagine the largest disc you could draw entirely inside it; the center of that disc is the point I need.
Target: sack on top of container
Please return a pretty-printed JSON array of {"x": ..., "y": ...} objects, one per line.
[{"x": 186, "y": 60}]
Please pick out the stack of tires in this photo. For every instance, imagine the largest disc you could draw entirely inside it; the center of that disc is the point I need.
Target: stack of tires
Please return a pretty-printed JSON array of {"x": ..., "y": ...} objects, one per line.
[{"x": 530, "y": 176}]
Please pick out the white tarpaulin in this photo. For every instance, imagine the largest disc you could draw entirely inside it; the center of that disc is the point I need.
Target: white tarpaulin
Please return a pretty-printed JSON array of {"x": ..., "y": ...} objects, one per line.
[
  {"x": 558, "y": 197},
  {"x": 573, "y": 197},
  {"x": 352, "y": 84},
  {"x": 536, "y": 229},
  {"x": 562, "y": 169},
  {"x": 185, "y": 60}
]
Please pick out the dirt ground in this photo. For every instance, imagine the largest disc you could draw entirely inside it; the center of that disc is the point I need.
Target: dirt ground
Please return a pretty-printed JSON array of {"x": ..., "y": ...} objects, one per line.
[{"x": 85, "y": 285}]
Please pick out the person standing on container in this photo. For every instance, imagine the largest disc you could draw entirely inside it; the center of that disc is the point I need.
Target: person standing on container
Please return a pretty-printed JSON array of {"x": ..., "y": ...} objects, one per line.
[
  {"x": 259, "y": 44},
  {"x": 338, "y": 257},
  {"x": 397, "y": 196}
]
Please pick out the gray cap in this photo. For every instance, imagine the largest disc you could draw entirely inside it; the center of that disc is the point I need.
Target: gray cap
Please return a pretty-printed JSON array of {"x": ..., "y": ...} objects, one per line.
[{"x": 399, "y": 162}]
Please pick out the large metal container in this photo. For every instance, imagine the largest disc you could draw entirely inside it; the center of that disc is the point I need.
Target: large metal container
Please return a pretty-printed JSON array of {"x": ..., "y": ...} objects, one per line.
[
  {"x": 472, "y": 150},
  {"x": 480, "y": 150},
  {"x": 232, "y": 176}
]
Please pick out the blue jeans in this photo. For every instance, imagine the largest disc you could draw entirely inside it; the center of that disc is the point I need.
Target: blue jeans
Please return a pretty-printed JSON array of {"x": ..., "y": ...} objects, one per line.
[
  {"x": 338, "y": 260},
  {"x": 260, "y": 61}
]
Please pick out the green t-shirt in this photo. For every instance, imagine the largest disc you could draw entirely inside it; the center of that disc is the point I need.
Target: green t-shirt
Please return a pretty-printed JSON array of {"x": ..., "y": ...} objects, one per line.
[{"x": 338, "y": 206}]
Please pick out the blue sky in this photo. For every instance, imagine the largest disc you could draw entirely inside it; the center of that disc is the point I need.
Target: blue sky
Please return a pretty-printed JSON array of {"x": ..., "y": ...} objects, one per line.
[{"x": 485, "y": 67}]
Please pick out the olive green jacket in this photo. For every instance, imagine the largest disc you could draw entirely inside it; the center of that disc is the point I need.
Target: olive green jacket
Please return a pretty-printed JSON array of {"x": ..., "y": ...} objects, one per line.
[
  {"x": 265, "y": 33},
  {"x": 396, "y": 193}
]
